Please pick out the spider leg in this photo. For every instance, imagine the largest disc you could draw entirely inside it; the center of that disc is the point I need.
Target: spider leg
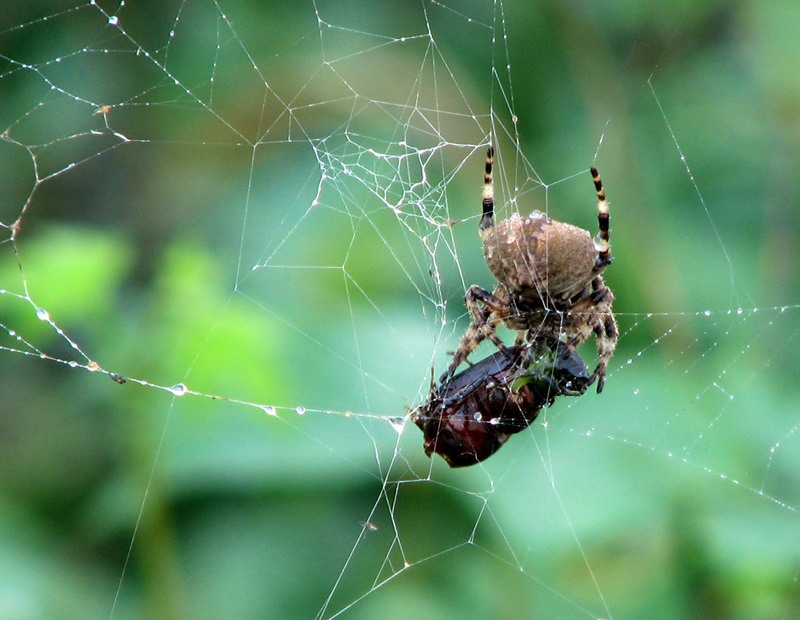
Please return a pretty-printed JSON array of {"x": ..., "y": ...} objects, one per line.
[
  {"x": 610, "y": 327},
  {"x": 488, "y": 315},
  {"x": 606, "y": 342},
  {"x": 605, "y": 328},
  {"x": 601, "y": 243},
  {"x": 487, "y": 221},
  {"x": 484, "y": 323}
]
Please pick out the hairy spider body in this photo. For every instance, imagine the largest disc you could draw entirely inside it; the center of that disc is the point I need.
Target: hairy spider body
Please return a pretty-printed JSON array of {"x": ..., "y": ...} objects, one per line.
[
  {"x": 470, "y": 416},
  {"x": 550, "y": 283},
  {"x": 545, "y": 261}
]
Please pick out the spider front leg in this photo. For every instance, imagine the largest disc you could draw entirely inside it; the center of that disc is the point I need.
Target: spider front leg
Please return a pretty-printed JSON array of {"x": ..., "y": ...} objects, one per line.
[
  {"x": 606, "y": 343},
  {"x": 604, "y": 326},
  {"x": 483, "y": 326}
]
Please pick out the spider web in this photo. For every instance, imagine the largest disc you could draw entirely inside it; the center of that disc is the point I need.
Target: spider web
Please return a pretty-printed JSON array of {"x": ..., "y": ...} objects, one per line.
[{"x": 260, "y": 222}]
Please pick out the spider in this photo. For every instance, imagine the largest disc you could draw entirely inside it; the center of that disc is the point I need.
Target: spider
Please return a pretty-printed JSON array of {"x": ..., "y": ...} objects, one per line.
[
  {"x": 470, "y": 416},
  {"x": 549, "y": 282}
]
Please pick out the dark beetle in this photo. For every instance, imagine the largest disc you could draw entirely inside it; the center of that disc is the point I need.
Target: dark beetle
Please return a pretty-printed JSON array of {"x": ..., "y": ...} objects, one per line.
[{"x": 468, "y": 417}]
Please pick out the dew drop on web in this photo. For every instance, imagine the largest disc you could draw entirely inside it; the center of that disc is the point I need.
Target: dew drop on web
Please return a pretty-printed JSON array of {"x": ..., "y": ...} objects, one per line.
[{"x": 179, "y": 389}]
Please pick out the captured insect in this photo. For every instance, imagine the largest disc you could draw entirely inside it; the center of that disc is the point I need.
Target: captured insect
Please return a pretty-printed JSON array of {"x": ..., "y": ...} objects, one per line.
[{"x": 468, "y": 417}]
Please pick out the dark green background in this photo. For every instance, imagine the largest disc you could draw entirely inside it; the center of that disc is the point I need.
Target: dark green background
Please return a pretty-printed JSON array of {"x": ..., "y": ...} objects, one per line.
[{"x": 273, "y": 136}]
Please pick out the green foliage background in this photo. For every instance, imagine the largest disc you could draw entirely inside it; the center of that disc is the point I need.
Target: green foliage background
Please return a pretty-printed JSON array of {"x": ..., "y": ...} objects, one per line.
[{"x": 140, "y": 254}]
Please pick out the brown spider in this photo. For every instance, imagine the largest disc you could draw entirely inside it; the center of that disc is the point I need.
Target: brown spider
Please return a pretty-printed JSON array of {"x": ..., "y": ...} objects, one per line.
[{"x": 549, "y": 282}]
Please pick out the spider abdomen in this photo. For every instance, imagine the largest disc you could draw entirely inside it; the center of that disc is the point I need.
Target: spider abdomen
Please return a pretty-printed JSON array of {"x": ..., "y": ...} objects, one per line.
[{"x": 540, "y": 259}]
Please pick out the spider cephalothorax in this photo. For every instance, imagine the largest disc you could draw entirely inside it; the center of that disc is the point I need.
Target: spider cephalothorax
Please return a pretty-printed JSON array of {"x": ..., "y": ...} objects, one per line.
[{"x": 549, "y": 281}]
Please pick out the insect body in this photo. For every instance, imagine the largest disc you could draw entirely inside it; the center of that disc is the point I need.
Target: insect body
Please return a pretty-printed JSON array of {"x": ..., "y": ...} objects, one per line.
[{"x": 468, "y": 417}]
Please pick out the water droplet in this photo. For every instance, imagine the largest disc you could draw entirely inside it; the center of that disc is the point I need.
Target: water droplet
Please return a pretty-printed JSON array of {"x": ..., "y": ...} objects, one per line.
[
  {"x": 179, "y": 389},
  {"x": 93, "y": 366},
  {"x": 270, "y": 410},
  {"x": 398, "y": 424},
  {"x": 478, "y": 416},
  {"x": 300, "y": 410},
  {"x": 113, "y": 20},
  {"x": 707, "y": 312},
  {"x": 42, "y": 314},
  {"x": 636, "y": 391},
  {"x": 739, "y": 310}
]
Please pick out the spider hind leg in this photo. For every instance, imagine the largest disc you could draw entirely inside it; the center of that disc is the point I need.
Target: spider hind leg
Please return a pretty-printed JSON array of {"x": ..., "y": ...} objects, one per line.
[
  {"x": 602, "y": 243},
  {"x": 487, "y": 221}
]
